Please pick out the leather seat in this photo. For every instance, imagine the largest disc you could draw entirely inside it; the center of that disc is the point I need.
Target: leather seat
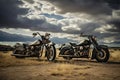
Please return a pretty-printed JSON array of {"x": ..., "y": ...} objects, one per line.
[
  {"x": 73, "y": 44},
  {"x": 86, "y": 42}
]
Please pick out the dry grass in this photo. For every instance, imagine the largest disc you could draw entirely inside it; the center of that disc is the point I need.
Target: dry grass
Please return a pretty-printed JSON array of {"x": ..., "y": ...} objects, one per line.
[
  {"x": 114, "y": 55},
  {"x": 68, "y": 71},
  {"x": 7, "y": 60},
  {"x": 46, "y": 70}
]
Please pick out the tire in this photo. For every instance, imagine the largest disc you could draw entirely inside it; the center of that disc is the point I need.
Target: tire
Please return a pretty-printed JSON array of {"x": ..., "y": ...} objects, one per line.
[
  {"x": 19, "y": 57},
  {"x": 64, "y": 52},
  {"x": 51, "y": 53},
  {"x": 104, "y": 56}
]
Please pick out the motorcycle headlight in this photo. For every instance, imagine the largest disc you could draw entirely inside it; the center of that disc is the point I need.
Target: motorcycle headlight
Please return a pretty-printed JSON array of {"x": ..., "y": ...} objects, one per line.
[
  {"x": 47, "y": 37},
  {"x": 94, "y": 38}
]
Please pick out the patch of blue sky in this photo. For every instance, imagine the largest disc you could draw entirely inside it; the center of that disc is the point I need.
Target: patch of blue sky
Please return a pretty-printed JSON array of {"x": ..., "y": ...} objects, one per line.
[{"x": 58, "y": 17}]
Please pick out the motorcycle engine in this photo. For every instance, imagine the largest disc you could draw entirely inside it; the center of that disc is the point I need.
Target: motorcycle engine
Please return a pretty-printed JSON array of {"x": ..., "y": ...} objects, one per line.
[{"x": 19, "y": 46}]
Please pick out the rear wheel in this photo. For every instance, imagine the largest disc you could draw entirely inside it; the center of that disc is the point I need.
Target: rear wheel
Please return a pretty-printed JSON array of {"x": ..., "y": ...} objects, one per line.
[
  {"x": 51, "y": 53},
  {"x": 102, "y": 55}
]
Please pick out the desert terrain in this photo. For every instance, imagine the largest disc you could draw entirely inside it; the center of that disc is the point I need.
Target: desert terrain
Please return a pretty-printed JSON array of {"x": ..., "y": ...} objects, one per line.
[{"x": 12, "y": 68}]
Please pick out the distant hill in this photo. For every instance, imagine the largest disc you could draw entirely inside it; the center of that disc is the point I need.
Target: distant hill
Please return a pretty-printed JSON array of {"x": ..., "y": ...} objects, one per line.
[
  {"x": 114, "y": 47},
  {"x": 14, "y": 37},
  {"x": 5, "y": 48},
  {"x": 61, "y": 40}
]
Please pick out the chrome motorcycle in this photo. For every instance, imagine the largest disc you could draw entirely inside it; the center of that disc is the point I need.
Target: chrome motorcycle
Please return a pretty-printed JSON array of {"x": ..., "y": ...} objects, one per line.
[
  {"x": 36, "y": 48},
  {"x": 83, "y": 50}
]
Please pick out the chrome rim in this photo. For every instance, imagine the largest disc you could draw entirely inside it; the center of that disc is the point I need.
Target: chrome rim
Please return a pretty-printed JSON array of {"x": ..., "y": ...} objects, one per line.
[
  {"x": 101, "y": 54},
  {"x": 51, "y": 53}
]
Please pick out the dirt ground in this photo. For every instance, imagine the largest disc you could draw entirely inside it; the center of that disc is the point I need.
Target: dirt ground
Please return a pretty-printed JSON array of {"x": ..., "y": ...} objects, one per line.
[{"x": 60, "y": 69}]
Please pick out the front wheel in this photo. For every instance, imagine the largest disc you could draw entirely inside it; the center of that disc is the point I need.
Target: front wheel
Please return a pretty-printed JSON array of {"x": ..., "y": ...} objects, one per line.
[
  {"x": 102, "y": 55},
  {"x": 51, "y": 53}
]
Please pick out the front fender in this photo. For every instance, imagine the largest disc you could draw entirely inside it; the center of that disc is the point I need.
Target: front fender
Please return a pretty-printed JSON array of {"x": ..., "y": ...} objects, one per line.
[
  {"x": 98, "y": 47},
  {"x": 68, "y": 48}
]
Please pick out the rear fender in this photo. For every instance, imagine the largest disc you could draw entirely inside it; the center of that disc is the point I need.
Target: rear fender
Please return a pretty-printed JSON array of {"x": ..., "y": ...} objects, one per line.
[
  {"x": 63, "y": 48},
  {"x": 67, "y": 45}
]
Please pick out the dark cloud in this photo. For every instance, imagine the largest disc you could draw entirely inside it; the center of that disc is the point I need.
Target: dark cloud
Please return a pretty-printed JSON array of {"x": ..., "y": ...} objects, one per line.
[
  {"x": 116, "y": 25},
  {"x": 93, "y": 7},
  {"x": 40, "y": 25},
  {"x": 9, "y": 12},
  {"x": 30, "y": 1},
  {"x": 90, "y": 27},
  {"x": 115, "y": 4},
  {"x": 10, "y": 17},
  {"x": 96, "y": 8}
]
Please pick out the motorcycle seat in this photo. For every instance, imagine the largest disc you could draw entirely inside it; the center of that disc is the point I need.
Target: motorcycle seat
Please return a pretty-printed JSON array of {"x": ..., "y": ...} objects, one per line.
[
  {"x": 35, "y": 43},
  {"x": 73, "y": 44},
  {"x": 30, "y": 44},
  {"x": 86, "y": 42},
  {"x": 24, "y": 44}
]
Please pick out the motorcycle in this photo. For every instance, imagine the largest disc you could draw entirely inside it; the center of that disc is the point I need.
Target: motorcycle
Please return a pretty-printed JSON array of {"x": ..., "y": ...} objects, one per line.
[
  {"x": 72, "y": 50},
  {"x": 36, "y": 48}
]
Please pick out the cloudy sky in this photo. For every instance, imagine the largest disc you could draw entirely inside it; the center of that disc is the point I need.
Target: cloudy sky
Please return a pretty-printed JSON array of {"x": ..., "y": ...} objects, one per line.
[{"x": 64, "y": 19}]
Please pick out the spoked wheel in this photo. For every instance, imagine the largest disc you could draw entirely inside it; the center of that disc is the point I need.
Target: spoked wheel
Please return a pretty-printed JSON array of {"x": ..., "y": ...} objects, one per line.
[
  {"x": 102, "y": 55},
  {"x": 51, "y": 53}
]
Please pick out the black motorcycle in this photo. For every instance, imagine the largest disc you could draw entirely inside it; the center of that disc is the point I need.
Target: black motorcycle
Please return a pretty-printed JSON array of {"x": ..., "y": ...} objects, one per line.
[
  {"x": 36, "y": 48},
  {"x": 83, "y": 50}
]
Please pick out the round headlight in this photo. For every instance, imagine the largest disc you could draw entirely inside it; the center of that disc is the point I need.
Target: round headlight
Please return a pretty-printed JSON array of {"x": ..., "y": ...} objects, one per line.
[{"x": 47, "y": 37}]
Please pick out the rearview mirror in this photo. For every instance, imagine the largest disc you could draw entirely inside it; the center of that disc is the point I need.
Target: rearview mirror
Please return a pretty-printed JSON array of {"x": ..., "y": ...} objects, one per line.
[
  {"x": 34, "y": 34},
  {"x": 81, "y": 34}
]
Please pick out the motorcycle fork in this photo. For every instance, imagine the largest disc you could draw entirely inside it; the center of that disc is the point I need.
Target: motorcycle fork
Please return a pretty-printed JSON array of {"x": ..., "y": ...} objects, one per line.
[{"x": 46, "y": 50}]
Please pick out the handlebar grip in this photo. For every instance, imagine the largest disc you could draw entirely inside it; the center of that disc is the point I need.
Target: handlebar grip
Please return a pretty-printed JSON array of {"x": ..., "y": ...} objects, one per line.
[{"x": 85, "y": 35}]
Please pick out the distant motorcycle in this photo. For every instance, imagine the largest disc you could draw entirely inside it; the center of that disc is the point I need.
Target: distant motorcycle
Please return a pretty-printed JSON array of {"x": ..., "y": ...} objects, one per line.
[
  {"x": 36, "y": 48},
  {"x": 82, "y": 50}
]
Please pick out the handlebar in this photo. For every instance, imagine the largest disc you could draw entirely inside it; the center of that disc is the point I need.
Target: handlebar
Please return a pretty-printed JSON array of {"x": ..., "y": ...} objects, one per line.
[
  {"x": 38, "y": 33},
  {"x": 46, "y": 34},
  {"x": 34, "y": 34},
  {"x": 83, "y": 35}
]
